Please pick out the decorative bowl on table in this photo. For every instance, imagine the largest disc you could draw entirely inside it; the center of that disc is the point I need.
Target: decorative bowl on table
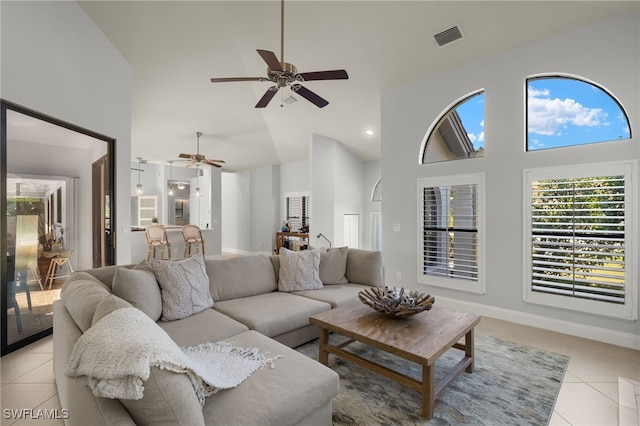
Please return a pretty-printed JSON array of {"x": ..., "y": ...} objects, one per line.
[{"x": 396, "y": 303}]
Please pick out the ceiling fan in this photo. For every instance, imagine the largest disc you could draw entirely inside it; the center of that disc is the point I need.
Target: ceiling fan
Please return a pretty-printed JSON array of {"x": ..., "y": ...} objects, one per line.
[
  {"x": 286, "y": 74},
  {"x": 197, "y": 158}
]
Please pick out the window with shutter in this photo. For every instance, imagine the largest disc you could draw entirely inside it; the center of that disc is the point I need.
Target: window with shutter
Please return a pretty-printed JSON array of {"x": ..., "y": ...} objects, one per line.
[
  {"x": 579, "y": 237},
  {"x": 451, "y": 227},
  {"x": 296, "y": 210}
]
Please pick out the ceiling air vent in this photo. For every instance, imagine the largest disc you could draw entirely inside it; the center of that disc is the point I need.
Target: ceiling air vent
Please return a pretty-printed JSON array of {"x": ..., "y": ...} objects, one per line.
[{"x": 448, "y": 36}]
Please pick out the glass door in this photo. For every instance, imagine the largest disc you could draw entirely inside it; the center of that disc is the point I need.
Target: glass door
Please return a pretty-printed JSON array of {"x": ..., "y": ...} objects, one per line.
[{"x": 44, "y": 164}]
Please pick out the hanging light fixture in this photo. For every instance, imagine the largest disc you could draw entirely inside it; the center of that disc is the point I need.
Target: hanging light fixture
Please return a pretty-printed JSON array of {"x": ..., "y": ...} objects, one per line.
[
  {"x": 180, "y": 186},
  {"x": 197, "y": 180},
  {"x": 170, "y": 187},
  {"x": 139, "y": 185}
]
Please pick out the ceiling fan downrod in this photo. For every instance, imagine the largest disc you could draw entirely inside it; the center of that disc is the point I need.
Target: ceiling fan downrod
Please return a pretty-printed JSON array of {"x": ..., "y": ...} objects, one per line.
[{"x": 282, "y": 32}]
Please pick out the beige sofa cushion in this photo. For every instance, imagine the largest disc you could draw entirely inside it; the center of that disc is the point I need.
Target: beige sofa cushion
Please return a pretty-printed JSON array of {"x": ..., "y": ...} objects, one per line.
[
  {"x": 299, "y": 270},
  {"x": 333, "y": 266},
  {"x": 81, "y": 294},
  {"x": 336, "y": 295},
  {"x": 185, "y": 287},
  {"x": 240, "y": 277},
  {"x": 105, "y": 274},
  {"x": 107, "y": 305},
  {"x": 364, "y": 267},
  {"x": 168, "y": 399},
  {"x": 272, "y": 313},
  {"x": 139, "y": 287},
  {"x": 284, "y": 395},
  {"x": 205, "y": 326}
]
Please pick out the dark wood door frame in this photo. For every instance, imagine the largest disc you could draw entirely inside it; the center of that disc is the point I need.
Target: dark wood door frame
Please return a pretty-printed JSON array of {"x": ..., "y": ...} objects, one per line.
[{"x": 109, "y": 192}]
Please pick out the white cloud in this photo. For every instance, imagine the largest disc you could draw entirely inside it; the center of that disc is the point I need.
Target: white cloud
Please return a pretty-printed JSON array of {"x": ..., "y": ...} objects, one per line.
[{"x": 548, "y": 116}]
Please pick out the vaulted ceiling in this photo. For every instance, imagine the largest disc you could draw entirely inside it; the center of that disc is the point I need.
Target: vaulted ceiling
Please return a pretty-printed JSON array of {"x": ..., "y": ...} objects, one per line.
[{"x": 175, "y": 47}]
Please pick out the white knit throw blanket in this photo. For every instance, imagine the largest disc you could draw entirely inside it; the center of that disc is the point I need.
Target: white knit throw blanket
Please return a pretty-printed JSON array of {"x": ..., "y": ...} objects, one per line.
[{"x": 115, "y": 356}]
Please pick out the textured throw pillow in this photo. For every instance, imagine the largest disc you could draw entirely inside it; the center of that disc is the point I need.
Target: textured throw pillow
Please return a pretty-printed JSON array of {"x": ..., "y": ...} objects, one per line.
[
  {"x": 333, "y": 266},
  {"x": 139, "y": 287},
  {"x": 184, "y": 287},
  {"x": 299, "y": 270}
]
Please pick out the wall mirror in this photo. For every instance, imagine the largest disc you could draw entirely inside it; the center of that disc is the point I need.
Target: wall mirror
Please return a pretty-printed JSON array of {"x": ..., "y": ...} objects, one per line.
[{"x": 51, "y": 171}]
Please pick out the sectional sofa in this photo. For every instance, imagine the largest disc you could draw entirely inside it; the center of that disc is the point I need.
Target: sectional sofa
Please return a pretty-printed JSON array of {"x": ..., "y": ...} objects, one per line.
[{"x": 256, "y": 302}]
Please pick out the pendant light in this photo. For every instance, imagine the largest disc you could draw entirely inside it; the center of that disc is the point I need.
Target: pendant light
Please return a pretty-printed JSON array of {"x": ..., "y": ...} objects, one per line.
[
  {"x": 170, "y": 187},
  {"x": 139, "y": 185},
  {"x": 180, "y": 186},
  {"x": 197, "y": 180}
]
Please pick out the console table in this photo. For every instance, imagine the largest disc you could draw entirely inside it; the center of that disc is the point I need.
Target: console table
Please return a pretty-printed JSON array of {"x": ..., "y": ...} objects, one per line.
[{"x": 292, "y": 241}]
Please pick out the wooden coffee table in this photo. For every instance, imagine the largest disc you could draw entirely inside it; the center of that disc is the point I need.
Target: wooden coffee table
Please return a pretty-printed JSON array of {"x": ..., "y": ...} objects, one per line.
[{"x": 422, "y": 338}]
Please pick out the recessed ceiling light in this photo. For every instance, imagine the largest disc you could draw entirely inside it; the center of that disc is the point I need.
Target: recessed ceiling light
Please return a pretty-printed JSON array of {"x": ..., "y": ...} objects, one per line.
[{"x": 368, "y": 132}]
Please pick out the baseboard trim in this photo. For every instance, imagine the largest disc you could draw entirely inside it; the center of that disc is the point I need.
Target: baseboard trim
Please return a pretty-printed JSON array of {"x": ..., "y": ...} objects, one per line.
[{"x": 604, "y": 335}]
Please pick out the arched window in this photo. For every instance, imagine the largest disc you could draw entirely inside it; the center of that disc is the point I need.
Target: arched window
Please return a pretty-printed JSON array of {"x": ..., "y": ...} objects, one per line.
[
  {"x": 566, "y": 111},
  {"x": 457, "y": 133},
  {"x": 376, "y": 194}
]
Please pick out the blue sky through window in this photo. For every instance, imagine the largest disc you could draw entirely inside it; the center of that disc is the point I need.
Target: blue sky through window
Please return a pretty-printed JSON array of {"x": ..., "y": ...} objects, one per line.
[
  {"x": 565, "y": 112},
  {"x": 471, "y": 112}
]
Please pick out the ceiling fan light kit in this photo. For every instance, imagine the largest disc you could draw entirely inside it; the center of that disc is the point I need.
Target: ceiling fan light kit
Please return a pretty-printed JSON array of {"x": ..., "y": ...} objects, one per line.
[{"x": 284, "y": 74}]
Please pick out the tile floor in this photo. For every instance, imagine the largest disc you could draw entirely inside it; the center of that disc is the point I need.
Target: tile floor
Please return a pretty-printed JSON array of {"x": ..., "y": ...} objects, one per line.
[{"x": 588, "y": 396}]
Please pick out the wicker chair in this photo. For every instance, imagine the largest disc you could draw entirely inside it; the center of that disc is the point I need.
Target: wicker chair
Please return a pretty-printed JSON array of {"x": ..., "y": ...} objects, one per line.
[
  {"x": 157, "y": 240},
  {"x": 192, "y": 238}
]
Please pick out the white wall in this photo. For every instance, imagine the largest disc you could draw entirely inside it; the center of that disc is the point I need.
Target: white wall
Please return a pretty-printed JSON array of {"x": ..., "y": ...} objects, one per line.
[
  {"x": 294, "y": 177},
  {"x": 336, "y": 189},
  {"x": 56, "y": 61},
  {"x": 371, "y": 174},
  {"x": 265, "y": 212},
  {"x": 236, "y": 212},
  {"x": 321, "y": 178},
  {"x": 607, "y": 53}
]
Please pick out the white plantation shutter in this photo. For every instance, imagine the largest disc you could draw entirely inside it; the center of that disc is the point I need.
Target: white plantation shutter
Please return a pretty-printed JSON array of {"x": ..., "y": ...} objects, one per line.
[
  {"x": 578, "y": 237},
  {"x": 450, "y": 226},
  {"x": 297, "y": 211},
  {"x": 450, "y": 230}
]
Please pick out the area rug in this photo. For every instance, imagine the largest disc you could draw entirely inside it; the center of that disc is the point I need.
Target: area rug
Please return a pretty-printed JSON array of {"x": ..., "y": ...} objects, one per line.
[{"x": 511, "y": 385}]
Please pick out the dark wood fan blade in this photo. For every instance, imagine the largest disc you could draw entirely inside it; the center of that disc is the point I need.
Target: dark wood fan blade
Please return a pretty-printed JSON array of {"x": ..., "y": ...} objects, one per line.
[
  {"x": 191, "y": 164},
  {"x": 185, "y": 156},
  {"x": 211, "y": 163},
  {"x": 215, "y": 161},
  {"x": 229, "y": 79},
  {"x": 271, "y": 59},
  {"x": 310, "y": 96},
  {"x": 325, "y": 75},
  {"x": 266, "y": 98}
]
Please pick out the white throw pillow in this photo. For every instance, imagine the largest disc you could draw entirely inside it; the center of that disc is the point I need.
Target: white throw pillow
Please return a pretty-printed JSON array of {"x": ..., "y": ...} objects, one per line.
[
  {"x": 184, "y": 287},
  {"x": 299, "y": 270}
]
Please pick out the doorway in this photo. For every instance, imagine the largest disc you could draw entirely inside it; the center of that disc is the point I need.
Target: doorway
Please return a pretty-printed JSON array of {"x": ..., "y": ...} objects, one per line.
[{"x": 48, "y": 174}]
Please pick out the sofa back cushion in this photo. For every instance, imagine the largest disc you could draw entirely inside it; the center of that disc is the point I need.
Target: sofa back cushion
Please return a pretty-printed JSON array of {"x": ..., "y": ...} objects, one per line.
[
  {"x": 168, "y": 399},
  {"x": 107, "y": 305},
  {"x": 333, "y": 265},
  {"x": 81, "y": 294},
  {"x": 139, "y": 287},
  {"x": 106, "y": 273},
  {"x": 364, "y": 267},
  {"x": 240, "y": 277}
]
